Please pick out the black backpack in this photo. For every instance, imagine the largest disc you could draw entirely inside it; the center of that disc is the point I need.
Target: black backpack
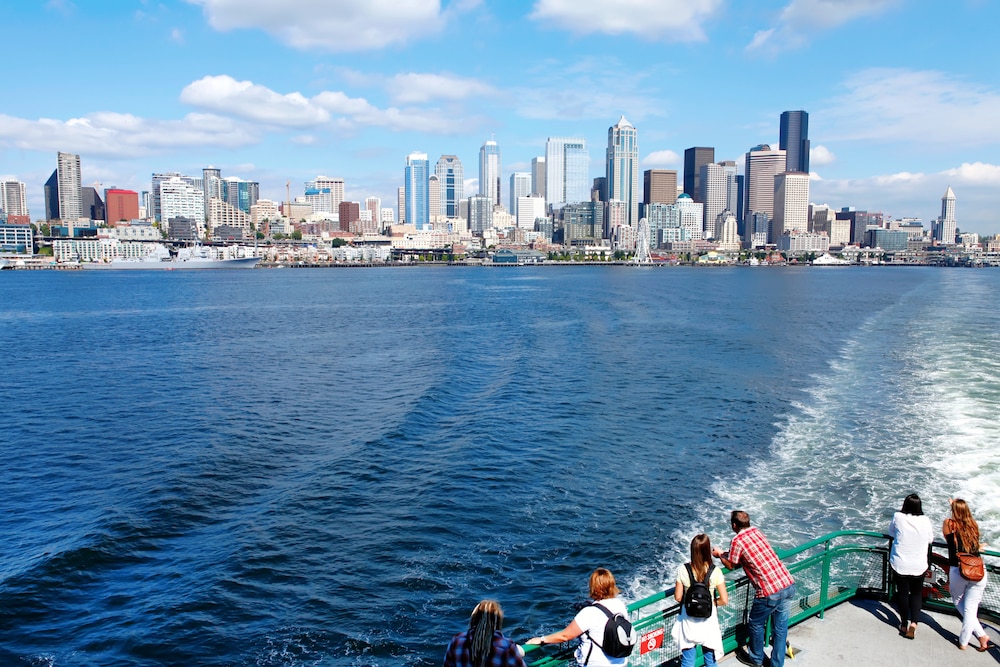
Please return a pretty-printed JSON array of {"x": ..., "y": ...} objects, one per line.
[
  {"x": 698, "y": 598},
  {"x": 619, "y": 635}
]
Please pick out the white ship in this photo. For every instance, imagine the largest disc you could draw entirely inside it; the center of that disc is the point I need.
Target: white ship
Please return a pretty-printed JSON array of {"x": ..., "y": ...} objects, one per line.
[
  {"x": 826, "y": 259},
  {"x": 159, "y": 258}
]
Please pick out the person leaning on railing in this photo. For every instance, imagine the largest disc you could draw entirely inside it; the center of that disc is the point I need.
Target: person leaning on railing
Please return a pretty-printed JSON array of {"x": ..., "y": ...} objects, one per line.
[
  {"x": 911, "y": 534},
  {"x": 962, "y": 534}
]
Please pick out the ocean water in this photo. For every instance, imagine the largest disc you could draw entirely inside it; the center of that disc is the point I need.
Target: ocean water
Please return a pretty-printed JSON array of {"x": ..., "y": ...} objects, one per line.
[{"x": 317, "y": 467}]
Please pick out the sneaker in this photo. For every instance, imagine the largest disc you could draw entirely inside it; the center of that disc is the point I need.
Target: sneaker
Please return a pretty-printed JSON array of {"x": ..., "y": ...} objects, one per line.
[{"x": 744, "y": 657}]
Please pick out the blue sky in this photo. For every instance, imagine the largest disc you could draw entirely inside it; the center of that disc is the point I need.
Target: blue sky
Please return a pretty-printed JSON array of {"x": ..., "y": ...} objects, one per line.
[{"x": 903, "y": 95}]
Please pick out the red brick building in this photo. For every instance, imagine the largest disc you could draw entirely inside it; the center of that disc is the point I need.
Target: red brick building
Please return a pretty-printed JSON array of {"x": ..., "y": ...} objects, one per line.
[{"x": 121, "y": 205}]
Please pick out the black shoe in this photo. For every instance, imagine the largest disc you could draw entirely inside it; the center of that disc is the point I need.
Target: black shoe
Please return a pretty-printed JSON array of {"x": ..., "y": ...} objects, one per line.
[{"x": 744, "y": 657}]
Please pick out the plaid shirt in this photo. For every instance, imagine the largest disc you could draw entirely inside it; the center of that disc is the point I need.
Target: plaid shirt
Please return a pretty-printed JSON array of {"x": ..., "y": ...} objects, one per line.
[
  {"x": 766, "y": 572},
  {"x": 504, "y": 653}
]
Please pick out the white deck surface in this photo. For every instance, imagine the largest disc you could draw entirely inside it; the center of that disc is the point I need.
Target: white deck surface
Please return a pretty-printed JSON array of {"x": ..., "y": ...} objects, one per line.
[{"x": 866, "y": 632}]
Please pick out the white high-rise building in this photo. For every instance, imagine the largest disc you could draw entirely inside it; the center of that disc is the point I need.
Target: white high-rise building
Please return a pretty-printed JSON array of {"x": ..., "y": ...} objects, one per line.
[
  {"x": 489, "y": 172},
  {"x": 713, "y": 194},
  {"x": 762, "y": 165},
  {"x": 727, "y": 232},
  {"x": 791, "y": 203},
  {"x": 520, "y": 186},
  {"x": 13, "y": 200},
  {"x": 567, "y": 171},
  {"x": 374, "y": 204},
  {"x": 434, "y": 197},
  {"x": 180, "y": 199},
  {"x": 529, "y": 209},
  {"x": 692, "y": 216},
  {"x": 70, "y": 191},
  {"x": 946, "y": 227},
  {"x": 624, "y": 183}
]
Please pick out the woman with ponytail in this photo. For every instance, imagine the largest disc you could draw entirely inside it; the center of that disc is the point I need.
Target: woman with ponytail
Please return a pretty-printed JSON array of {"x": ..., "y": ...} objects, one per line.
[
  {"x": 483, "y": 645},
  {"x": 962, "y": 534}
]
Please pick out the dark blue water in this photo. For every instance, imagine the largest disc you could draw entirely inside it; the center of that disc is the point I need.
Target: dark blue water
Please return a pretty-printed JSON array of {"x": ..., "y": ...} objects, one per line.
[{"x": 332, "y": 467}]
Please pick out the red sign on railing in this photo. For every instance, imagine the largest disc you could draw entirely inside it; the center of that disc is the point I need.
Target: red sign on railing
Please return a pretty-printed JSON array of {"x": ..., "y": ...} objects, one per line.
[{"x": 651, "y": 640}]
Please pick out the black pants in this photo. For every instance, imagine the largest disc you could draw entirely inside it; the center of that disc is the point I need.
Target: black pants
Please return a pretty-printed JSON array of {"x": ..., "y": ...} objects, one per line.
[{"x": 909, "y": 596}]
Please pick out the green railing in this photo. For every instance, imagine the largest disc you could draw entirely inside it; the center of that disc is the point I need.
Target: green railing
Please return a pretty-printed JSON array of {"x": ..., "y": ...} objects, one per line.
[{"x": 828, "y": 571}]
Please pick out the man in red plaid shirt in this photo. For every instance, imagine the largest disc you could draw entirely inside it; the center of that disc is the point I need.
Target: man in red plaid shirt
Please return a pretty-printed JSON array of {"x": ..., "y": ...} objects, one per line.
[{"x": 773, "y": 583}]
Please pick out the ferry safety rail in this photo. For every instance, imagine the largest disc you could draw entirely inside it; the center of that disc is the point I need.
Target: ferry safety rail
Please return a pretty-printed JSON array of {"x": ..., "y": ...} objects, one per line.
[{"x": 828, "y": 571}]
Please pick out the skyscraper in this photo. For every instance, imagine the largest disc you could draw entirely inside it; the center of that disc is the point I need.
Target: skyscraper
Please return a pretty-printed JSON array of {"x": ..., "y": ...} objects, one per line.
[
  {"x": 489, "y": 171},
  {"x": 433, "y": 196},
  {"x": 451, "y": 180},
  {"x": 12, "y": 198},
  {"x": 567, "y": 164},
  {"x": 121, "y": 205},
  {"x": 520, "y": 186},
  {"x": 70, "y": 192},
  {"x": 622, "y": 168},
  {"x": 694, "y": 158},
  {"x": 538, "y": 176},
  {"x": 415, "y": 185},
  {"x": 794, "y": 140},
  {"x": 659, "y": 186},
  {"x": 946, "y": 226},
  {"x": 762, "y": 165},
  {"x": 791, "y": 203},
  {"x": 712, "y": 187},
  {"x": 211, "y": 185}
]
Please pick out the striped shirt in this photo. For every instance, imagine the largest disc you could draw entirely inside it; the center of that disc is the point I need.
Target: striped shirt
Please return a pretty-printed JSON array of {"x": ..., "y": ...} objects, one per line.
[{"x": 763, "y": 567}]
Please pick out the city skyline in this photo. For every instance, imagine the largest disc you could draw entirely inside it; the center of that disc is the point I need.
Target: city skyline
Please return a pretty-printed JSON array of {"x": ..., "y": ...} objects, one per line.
[{"x": 350, "y": 90}]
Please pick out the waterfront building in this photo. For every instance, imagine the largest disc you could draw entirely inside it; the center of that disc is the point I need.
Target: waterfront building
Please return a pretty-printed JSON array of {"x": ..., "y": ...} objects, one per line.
[
  {"x": 622, "y": 169},
  {"x": 121, "y": 205},
  {"x": 692, "y": 216},
  {"x": 180, "y": 199},
  {"x": 659, "y": 186},
  {"x": 538, "y": 176},
  {"x": 791, "y": 203},
  {"x": 262, "y": 214},
  {"x": 664, "y": 221},
  {"x": 529, "y": 209},
  {"x": 694, "y": 159},
  {"x": 889, "y": 240},
  {"x": 860, "y": 222},
  {"x": 797, "y": 242},
  {"x": 13, "y": 199},
  {"x": 226, "y": 222},
  {"x": 416, "y": 196},
  {"x": 567, "y": 164},
  {"x": 794, "y": 140},
  {"x": 946, "y": 227},
  {"x": 16, "y": 238},
  {"x": 762, "y": 164},
  {"x": 489, "y": 171},
  {"x": 451, "y": 181},
  {"x": 69, "y": 188},
  {"x": 520, "y": 186},
  {"x": 713, "y": 193},
  {"x": 727, "y": 232},
  {"x": 480, "y": 214},
  {"x": 582, "y": 223}
]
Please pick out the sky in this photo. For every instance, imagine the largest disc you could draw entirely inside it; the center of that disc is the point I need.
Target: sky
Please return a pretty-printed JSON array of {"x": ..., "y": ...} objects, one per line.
[{"x": 903, "y": 95}]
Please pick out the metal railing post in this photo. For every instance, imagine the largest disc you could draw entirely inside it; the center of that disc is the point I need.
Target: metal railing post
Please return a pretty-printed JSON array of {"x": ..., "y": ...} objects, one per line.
[{"x": 824, "y": 580}]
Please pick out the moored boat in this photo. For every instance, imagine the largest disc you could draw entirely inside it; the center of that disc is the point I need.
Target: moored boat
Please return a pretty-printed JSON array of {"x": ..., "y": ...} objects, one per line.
[{"x": 159, "y": 258}]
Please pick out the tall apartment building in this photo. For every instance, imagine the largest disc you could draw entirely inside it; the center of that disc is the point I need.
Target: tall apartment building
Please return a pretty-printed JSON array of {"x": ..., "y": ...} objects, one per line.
[
  {"x": 451, "y": 181},
  {"x": 567, "y": 167},
  {"x": 694, "y": 159},
  {"x": 520, "y": 186},
  {"x": 13, "y": 199},
  {"x": 180, "y": 199},
  {"x": 350, "y": 214},
  {"x": 794, "y": 140},
  {"x": 622, "y": 168},
  {"x": 416, "y": 194},
  {"x": 791, "y": 204},
  {"x": 70, "y": 192},
  {"x": 712, "y": 193},
  {"x": 762, "y": 164},
  {"x": 489, "y": 171},
  {"x": 211, "y": 185}
]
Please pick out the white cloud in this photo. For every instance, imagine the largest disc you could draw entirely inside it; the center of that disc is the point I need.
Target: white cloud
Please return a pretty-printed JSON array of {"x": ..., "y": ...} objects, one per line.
[
  {"x": 122, "y": 135},
  {"x": 331, "y": 25},
  {"x": 802, "y": 18},
  {"x": 918, "y": 107},
  {"x": 675, "y": 20},
  {"x": 821, "y": 155},
  {"x": 177, "y": 35},
  {"x": 664, "y": 158},
  {"x": 977, "y": 173},
  {"x": 414, "y": 88},
  {"x": 254, "y": 102}
]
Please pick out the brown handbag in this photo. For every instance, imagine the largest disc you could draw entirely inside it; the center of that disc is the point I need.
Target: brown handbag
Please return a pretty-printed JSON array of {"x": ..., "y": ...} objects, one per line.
[{"x": 971, "y": 566}]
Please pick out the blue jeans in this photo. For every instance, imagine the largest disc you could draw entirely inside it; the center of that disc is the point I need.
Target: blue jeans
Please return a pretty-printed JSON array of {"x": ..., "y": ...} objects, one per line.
[
  {"x": 688, "y": 656},
  {"x": 778, "y": 607}
]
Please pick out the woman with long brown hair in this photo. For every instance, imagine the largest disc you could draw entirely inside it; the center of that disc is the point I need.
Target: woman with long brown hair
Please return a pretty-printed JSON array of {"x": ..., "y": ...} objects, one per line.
[
  {"x": 962, "y": 534},
  {"x": 690, "y": 631}
]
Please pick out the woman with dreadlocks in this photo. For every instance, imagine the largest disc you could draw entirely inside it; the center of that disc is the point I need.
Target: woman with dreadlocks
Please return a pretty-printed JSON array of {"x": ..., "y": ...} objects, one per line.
[
  {"x": 483, "y": 645},
  {"x": 962, "y": 534}
]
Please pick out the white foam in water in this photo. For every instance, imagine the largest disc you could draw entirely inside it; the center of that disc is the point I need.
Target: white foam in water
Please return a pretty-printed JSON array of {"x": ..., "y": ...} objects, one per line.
[{"x": 910, "y": 405}]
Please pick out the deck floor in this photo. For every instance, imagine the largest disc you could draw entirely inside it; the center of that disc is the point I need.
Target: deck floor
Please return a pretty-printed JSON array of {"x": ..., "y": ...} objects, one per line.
[{"x": 865, "y": 632}]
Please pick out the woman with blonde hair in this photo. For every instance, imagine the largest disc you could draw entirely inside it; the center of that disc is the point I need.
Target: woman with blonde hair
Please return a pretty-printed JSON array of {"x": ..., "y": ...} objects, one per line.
[
  {"x": 690, "y": 631},
  {"x": 590, "y": 622},
  {"x": 483, "y": 645},
  {"x": 962, "y": 534}
]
